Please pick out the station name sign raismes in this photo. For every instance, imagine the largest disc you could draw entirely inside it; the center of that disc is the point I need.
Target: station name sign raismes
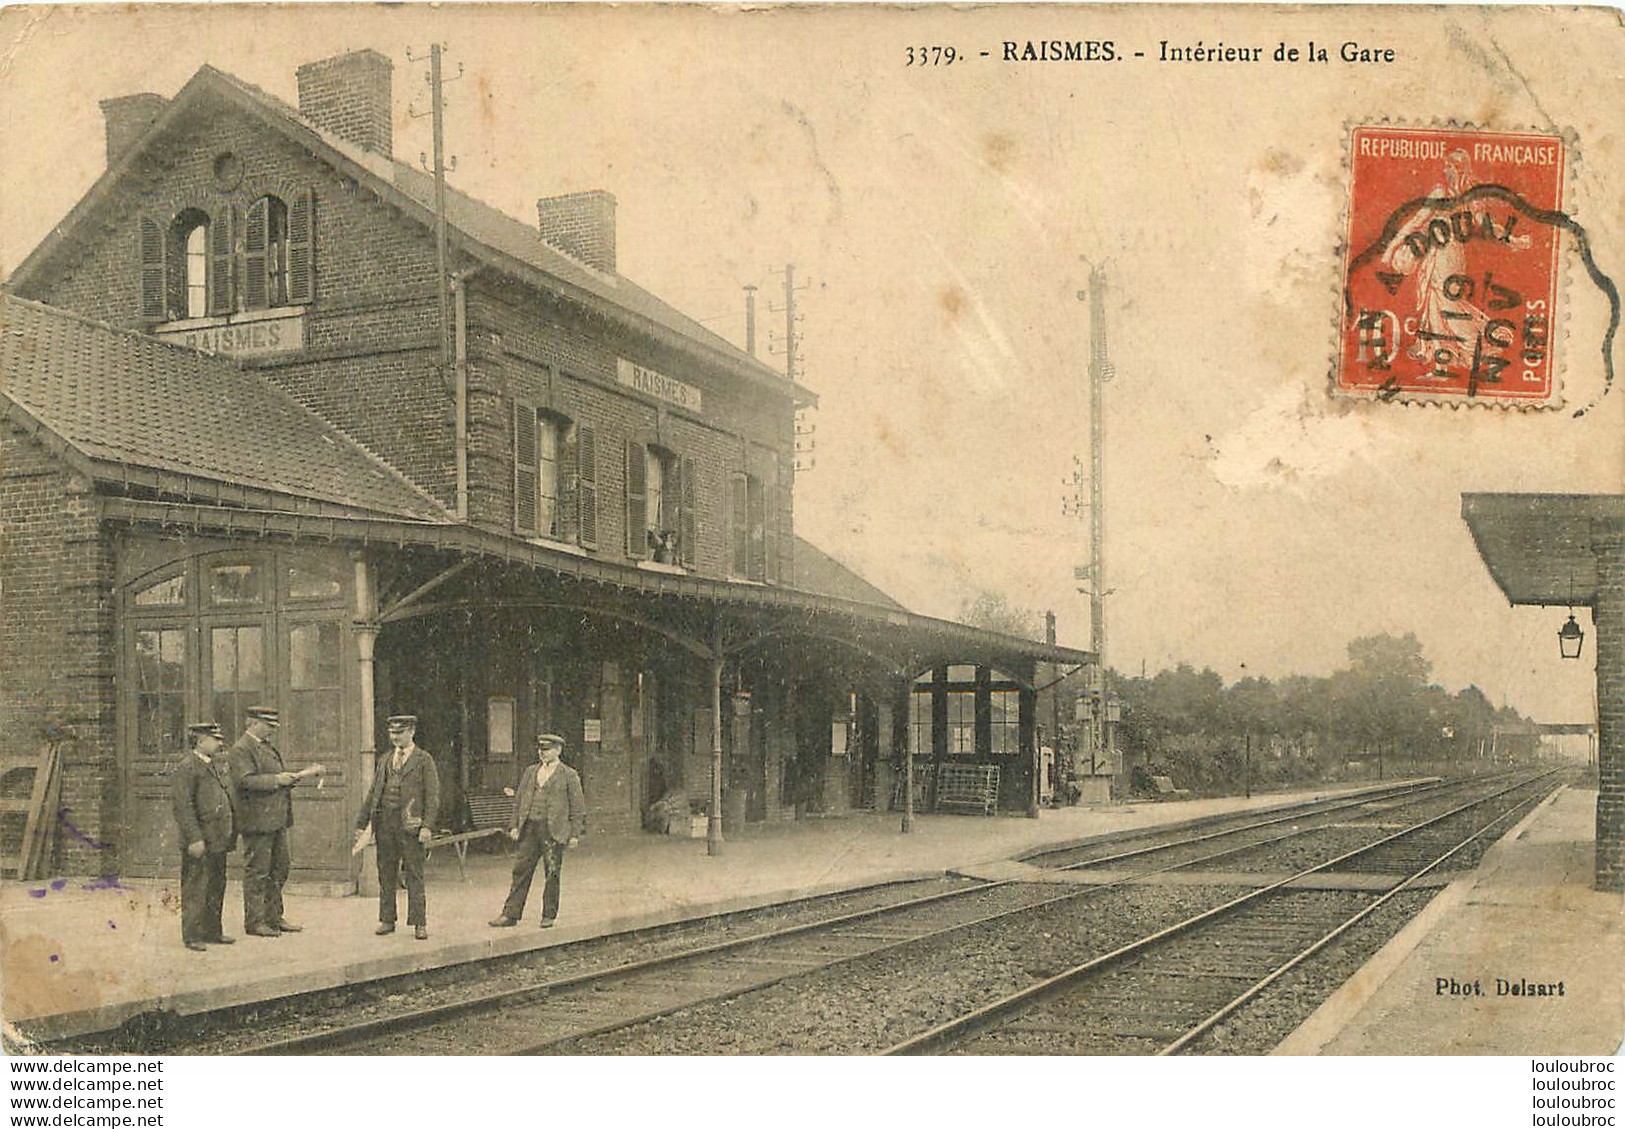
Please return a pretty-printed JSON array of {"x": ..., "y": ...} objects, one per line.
[
  {"x": 242, "y": 339},
  {"x": 658, "y": 385}
]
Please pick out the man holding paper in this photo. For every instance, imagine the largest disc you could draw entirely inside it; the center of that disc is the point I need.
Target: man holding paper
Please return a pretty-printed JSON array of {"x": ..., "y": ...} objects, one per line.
[
  {"x": 264, "y": 814},
  {"x": 401, "y": 809}
]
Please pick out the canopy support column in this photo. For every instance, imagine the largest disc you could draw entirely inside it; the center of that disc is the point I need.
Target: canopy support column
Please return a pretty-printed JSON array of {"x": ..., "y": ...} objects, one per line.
[{"x": 713, "y": 824}]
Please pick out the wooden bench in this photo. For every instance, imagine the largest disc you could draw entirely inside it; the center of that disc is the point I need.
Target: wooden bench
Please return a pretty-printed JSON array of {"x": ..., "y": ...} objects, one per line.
[
  {"x": 488, "y": 815},
  {"x": 971, "y": 787}
]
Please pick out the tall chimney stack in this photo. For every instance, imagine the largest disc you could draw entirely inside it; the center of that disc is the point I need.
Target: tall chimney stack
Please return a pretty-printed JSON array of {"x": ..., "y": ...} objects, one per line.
[
  {"x": 582, "y": 225},
  {"x": 127, "y": 118},
  {"x": 349, "y": 96}
]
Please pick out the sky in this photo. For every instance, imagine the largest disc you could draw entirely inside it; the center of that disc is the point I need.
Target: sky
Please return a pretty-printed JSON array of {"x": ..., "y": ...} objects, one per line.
[{"x": 944, "y": 220}]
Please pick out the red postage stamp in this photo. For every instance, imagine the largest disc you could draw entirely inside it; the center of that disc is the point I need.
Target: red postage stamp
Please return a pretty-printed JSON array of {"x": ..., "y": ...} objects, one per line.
[{"x": 1451, "y": 268}]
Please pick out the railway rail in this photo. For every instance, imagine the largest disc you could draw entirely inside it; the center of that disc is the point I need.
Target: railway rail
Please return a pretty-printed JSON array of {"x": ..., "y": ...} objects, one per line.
[
  {"x": 569, "y": 1013},
  {"x": 1164, "y": 993}
]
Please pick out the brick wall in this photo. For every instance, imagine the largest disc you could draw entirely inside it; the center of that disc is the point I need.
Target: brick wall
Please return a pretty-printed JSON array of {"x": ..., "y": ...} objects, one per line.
[
  {"x": 525, "y": 349},
  {"x": 1609, "y": 619},
  {"x": 371, "y": 347},
  {"x": 57, "y": 638}
]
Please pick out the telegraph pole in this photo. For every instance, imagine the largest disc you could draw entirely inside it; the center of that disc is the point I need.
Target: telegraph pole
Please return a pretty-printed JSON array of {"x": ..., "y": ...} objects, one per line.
[
  {"x": 793, "y": 365},
  {"x": 437, "y": 106},
  {"x": 1100, "y": 371},
  {"x": 750, "y": 320},
  {"x": 437, "y": 116},
  {"x": 792, "y": 336},
  {"x": 437, "y": 111}
]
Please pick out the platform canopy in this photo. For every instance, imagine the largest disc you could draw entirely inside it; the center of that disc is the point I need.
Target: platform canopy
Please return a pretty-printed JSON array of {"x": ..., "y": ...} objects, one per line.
[{"x": 1539, "y": 547}]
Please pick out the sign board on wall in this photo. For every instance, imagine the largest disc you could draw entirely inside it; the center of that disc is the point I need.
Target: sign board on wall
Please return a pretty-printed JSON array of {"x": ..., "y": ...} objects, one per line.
[
  {"x": 658, "y": 385},
  {"x": 592, "y": 731},
  {"x": 241, "y": 339},
  {"x": 837, "y": 739},
  {"x": 499, "y": 725}
]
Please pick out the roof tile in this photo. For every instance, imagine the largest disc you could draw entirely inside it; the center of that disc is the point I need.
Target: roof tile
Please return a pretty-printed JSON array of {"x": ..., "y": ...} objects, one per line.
[{"x": 127, "y": 398}]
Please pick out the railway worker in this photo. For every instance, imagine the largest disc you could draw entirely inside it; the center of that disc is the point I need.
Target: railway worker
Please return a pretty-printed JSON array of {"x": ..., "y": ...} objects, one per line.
[
  {"x": 264, "y": 813},
  {"x": 549, "y": 816},
  {"x": 201, "y": 793},
  {"x": 402, "y": 807}
]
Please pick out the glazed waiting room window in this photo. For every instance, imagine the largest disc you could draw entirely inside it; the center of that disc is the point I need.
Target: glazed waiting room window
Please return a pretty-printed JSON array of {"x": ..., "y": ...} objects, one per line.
[
  {"x": 919, "y": 717},
  {"x": 1004, "y": 722},
  {"x": 979, "y": 709}
]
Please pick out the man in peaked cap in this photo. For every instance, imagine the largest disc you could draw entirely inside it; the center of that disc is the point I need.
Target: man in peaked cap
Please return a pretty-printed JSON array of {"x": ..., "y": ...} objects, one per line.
[
  {"x": 264, "y": 814},
  {"x": 201, "y": 793},
  {"x": 402, "y": 807},
  {"x": 549, "y": 815}
]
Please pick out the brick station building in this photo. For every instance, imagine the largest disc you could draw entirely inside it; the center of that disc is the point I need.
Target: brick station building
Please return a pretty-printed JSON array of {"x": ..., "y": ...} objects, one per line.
[
  {"x": 1568, "y": 550},
  {"x": 240, "y": 464}
]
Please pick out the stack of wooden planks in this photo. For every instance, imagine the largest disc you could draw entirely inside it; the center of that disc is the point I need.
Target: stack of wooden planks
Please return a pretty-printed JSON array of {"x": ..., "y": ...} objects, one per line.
[{"x": 29, "y": 832}]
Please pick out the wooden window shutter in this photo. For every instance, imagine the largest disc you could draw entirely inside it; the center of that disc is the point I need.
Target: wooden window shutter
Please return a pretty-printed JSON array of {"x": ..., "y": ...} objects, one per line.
[
  {"x": 567, "y": 513},
  {"x": 784, "y": 519},
  {"x": 255, "y": 293},
  {"x": 222, "y": 257},
  {"x": 586, "y": 479},
  {"x": 757, "y": 524},
  {"x": 302, "y": 248},
  {"x": 154, "y": 275},
  {"x": 525, "y": 473},
  {"x": 739, "y": 522},
  {"x": 637, "y": 513},
  {"x": 770, "y": 534},
  {"x": 687, "y": 523}
]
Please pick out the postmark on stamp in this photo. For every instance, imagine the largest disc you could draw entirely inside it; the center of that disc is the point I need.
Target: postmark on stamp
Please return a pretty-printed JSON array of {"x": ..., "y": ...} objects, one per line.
[{"x": 1451, "y": 267}]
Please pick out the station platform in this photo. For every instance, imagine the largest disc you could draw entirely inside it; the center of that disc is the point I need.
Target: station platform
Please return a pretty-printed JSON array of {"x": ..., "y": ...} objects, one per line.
[
  {"x": 79, "y": 956},
  {"x": 1519, "y": 957}
]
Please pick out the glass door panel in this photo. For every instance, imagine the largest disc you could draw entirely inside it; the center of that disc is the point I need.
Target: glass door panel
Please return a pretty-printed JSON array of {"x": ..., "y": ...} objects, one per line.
[
  {"x": 236, "y": 675},
  {"x": 156, "y": 701},
  {"x": 312, "y": 673}
]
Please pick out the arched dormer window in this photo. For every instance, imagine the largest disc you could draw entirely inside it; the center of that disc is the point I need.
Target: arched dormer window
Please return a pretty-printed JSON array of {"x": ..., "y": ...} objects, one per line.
[
  {"x": 186, "y": 265},
  {"x": 197, "y": 270},
  {"x": 189, "y": 281},
  {"x": 277, "y": 252},
  {"x": 192, "y": 264}
]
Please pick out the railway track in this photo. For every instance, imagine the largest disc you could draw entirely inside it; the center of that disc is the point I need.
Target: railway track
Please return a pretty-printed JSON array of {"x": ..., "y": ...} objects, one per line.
[
  {"x": 570, "y": 1013},
  {"x": 1164, "y": 993}
]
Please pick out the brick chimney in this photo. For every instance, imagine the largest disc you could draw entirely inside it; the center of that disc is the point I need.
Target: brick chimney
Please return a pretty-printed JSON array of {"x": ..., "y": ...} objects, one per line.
[
  {"x": 349, "y": 97},
  {"x": 127, "y": 119},
  {"x": 582, "y": 225}
]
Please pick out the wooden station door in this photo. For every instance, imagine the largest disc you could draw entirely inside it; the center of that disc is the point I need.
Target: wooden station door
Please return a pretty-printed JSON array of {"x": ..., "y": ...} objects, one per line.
[{"x": 205, "y": 638}]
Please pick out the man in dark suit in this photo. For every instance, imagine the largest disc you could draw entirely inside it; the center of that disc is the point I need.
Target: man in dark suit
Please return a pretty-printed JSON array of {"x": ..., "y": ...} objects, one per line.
[
  {"x": 549, "y": 816},
  {"x": 264, "y": 814},
  {"x": 201, "y": 793},
  {"x": 402, "y": 807}
]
